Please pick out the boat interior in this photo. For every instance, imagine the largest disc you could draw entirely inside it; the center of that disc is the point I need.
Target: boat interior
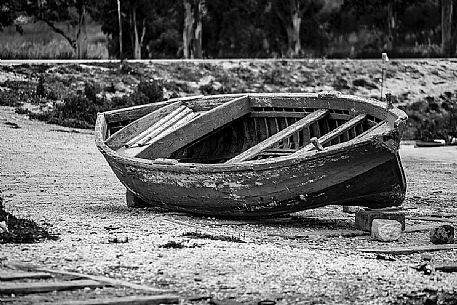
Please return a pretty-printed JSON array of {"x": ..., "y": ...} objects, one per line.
[{"x": 243, "y": 128}]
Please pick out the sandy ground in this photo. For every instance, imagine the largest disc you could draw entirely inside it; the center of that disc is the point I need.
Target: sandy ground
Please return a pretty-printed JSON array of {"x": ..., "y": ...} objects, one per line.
[{"x": 57, "y": 177}]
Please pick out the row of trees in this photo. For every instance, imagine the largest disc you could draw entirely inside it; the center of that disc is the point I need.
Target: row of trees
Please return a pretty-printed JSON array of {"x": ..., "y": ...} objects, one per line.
[{"x": 241, "y": 28}]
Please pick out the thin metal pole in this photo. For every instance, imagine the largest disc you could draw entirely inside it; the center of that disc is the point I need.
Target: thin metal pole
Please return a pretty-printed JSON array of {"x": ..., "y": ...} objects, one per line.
[
  {"x": 120, "y": 28},
  {"x": 385, "y": 59}
]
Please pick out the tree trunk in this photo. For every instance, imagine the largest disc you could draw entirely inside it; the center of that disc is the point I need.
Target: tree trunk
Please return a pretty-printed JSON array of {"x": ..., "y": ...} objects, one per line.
[
  {"x": 446, "y": 28},
  {"x": 293, "y": 29},
  {"x": 186, "y": 35},
  {"x": 192, "y": 33},
  {"x": 197, "y": 41},
  {"x": 120, "y": 27},
  {"x": 296, "y": 23},
  {"x": 391, "y": 25},
  {"x": 81, "y": 36},
  {"x": 136, "y": 39}
]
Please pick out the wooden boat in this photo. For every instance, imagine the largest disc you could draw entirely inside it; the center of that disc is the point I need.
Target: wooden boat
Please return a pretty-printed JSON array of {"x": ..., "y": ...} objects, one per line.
[
  {"x": 251, "y": 155},
  {"x": 433, "y": 143}
]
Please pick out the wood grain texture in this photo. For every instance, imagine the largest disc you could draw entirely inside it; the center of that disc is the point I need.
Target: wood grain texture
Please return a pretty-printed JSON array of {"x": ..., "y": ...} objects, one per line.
[
  {"x": 344, "y": 173},
  {"x": 14, "y": 275},
  {"x": 197, "y": 128},
  {"x": 135, "y": 129},
  {"x": 36, "y": 287},
  {"x": 412, "y": 249},
  {"x": 129, "y": 300},
  {"x": 334, "y": 133},
  {"x": 136, "y": 112},
  {"x": 97, "y": 278},
  {"x": 287, "y": 132}
]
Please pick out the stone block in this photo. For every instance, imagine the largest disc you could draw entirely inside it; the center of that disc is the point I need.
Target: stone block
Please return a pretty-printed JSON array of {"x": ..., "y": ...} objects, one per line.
[
  {"x": 351, "y": 209},
  {"x": 364, "y": 218},
  {"x": 442, "y": 234},
  {"x": 386, "y": 229}
]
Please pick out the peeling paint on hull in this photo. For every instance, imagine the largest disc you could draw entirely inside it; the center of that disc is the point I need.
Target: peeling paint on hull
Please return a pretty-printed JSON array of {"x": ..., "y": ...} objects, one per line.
[{"x": 367, "y": 173}]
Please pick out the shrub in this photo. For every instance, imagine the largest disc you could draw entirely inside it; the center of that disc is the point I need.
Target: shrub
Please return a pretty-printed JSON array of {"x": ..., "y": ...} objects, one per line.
[
  {"x": 153, "y": 90},
  {"x": 40, "y": 89},
  {"x": 10, "y": 98}
]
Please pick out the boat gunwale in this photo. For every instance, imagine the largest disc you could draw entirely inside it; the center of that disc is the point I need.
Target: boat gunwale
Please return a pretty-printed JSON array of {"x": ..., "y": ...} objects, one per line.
[{"x": 264, "y": 164}]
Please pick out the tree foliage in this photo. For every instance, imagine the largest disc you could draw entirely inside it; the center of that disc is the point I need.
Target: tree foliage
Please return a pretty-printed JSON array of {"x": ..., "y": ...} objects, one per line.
[{"x": 251, "y": 28}]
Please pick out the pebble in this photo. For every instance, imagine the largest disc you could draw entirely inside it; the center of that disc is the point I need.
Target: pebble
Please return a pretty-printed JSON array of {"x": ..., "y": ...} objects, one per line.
[
  {"x": 443, "y": 234},
  {"x": 3, "y": 227}
]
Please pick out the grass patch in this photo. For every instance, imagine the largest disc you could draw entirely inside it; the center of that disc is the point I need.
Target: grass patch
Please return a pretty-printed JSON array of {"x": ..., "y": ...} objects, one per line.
[
  {"x": 17, "y": 230},
  {"x": 39, "y": 42},
  {"x": 214, "y": 237},
  {"x": 172, "y": 245},
  {"x": 432, "y": 118},
  {"x": 80, "y": 110}
]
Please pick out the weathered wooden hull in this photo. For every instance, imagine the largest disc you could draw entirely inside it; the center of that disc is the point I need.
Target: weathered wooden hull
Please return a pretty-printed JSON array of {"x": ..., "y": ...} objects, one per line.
[{"x": 367, "y": 173}]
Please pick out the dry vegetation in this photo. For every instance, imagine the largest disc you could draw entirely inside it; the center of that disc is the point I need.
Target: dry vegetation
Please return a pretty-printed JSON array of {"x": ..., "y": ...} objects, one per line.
[
  {"x": 37, "y": 41},
  {"x": 71, "y": 95}
]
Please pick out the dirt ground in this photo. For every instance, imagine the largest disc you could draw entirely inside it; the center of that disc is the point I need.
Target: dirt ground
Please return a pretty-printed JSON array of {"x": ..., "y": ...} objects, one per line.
[{"x": 56, "y": 176}]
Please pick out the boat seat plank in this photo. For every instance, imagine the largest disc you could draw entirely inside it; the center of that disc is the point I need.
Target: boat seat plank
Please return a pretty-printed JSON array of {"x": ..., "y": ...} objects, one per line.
[
  {"x": 285, "y": 133},
  {"x": 139, "y": 126},
  {"x": 334, "y": 133},
  {"x": 169, "y": 122},
  {"x": 157, "y": 125},
  {"x": 198, "y": 127}
]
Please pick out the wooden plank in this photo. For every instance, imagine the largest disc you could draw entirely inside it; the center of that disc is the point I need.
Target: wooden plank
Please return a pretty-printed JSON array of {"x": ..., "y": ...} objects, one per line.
[
  {"x": 160, "y": 120},
  {"x": 137, "y": 127},
  {"x": 334, "y": 133},
  {"x": 412, "y": 249},
  {"x": 129, "y": 300},
  {"x": 13, "y": 275},
  {"x": 437, "y": 219},
  {"x": 268, "y": 143},
  {"x": 413, "y": 229},
  {"x": 339, "y": 116},
  {"x": 135, "y": 112},
  {"x": 170, "y": 121},
  {"x": 197, "y": 128},
  {"x": 99, "y": 278},
  {"x": 447, "y": 268},
  {"x": 36, "y": 287},
  {"x": 378, "y": 128},
  {"x": 278, "y": 114},
  {"x": 324, "y": 234}
]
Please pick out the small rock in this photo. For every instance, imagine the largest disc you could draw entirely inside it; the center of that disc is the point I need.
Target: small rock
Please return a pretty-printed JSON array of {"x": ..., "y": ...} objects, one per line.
[
  {"x": 426, "y": 257},
  {"x": 3, "y": 227},
  {"x": 351, "y": 209},
  {"x": 386, "y": 230},
  {"x": 385, "y": 257},
  {"x": 120, "y": 240},
  {"x": 267, "y": 302},
  {"x": 442, "y": 234}
]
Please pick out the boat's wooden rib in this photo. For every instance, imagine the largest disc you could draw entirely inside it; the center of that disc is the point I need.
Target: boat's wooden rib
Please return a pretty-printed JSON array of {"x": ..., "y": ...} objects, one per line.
[
  {"x": 283, "y": 134},
  {"x": 137, "y": 127},
  {"x": 379, "y": 128},
  {"x": 195, "y": 129},
  {"x": 334, "y": 133}
]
